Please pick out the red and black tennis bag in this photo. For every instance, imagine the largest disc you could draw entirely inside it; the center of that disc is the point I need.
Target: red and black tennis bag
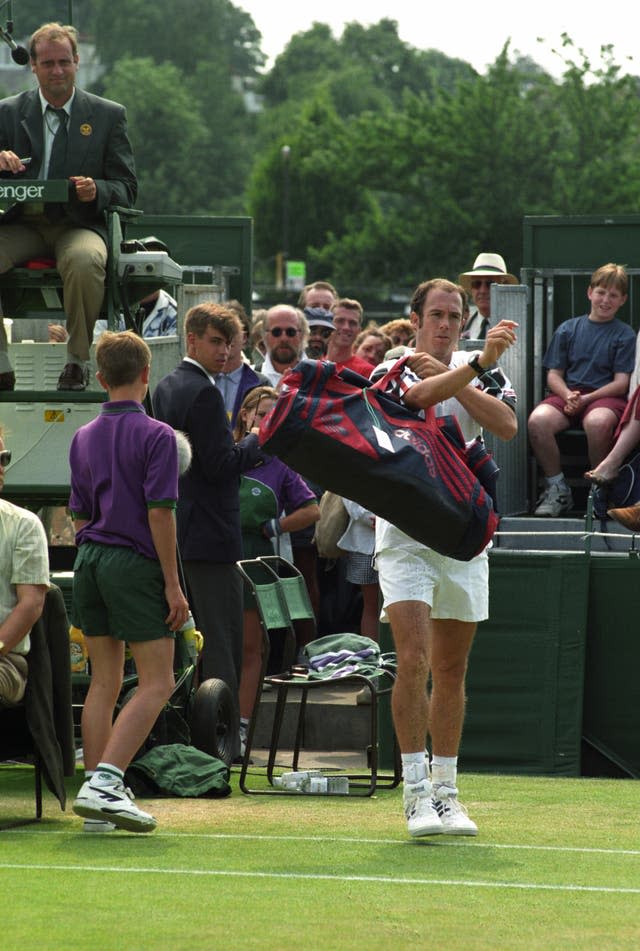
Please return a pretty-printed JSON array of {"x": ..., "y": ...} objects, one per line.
[{"x": 338, "y": 429}]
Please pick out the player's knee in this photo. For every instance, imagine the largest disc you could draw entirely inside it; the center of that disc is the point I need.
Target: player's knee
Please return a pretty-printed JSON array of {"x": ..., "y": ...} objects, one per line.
[
  {"x": 412, "y": 658},
  {"x": 450, "y": 673}
]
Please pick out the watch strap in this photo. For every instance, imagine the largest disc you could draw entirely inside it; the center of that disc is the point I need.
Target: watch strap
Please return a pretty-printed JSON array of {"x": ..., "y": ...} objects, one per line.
[{"x": 474, "y": 363}]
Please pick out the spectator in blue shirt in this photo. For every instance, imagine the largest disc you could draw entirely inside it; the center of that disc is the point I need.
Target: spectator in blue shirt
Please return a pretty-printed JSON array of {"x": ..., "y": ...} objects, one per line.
[{"x": 589, "y": 362}]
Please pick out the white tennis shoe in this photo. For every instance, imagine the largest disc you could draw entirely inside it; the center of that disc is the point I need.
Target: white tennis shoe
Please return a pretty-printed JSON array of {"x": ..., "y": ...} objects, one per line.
[
  {"x": 422, "y": 817},
  {"x": 112, "y": 803},
  {"x": 452, "y": 813}
]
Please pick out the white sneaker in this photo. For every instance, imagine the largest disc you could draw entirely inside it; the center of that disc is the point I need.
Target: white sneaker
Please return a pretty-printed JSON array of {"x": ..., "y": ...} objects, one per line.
[
  {"x": 112, "y": 803},
  {"x": 555, "y": 500},
  {"x": 422, "y": 818},
  {"x": 97, "y": 825},
  {"x": 452, "y": 813}
]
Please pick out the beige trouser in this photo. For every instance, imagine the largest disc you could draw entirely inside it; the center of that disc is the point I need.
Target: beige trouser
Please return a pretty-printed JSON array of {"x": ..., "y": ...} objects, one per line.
[{"x": 81, "y": 257}]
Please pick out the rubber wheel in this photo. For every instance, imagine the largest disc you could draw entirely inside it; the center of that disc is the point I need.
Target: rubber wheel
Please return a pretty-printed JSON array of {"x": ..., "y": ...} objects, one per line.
[{"x": 212, "y": 720}]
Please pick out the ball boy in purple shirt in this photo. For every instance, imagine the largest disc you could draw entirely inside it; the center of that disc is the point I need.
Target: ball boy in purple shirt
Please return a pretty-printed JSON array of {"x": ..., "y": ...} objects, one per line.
[{"x": 124, "y": 487}]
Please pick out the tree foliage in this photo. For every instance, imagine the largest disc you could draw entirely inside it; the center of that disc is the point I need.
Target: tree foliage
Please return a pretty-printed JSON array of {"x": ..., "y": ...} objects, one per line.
[
  {"x": 161, "y": 136},
  {"x": 192, "y": 135},
  {"x": 436, "y": 171},
  {"x": 28, "y": 15},
  {"x": 185, "y": 34},
  {"x": 401, "y": 162},
  {"x": 596, "y": 157},
  {"x": 373, "y": 62}
]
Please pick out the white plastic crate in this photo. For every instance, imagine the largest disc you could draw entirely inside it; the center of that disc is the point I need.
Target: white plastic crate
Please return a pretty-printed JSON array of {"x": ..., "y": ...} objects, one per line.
[{"x": 38, "y": 365}]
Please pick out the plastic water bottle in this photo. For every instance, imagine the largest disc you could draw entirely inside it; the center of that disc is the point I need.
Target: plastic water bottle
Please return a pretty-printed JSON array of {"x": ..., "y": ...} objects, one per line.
[
  {"x": 78, "y": 648},
  {"x": 313, "y": 781},
  {"x": 192, "y": 638},
  {"x": 297, "y": 780},
  {"x": 328, "y": 785}
]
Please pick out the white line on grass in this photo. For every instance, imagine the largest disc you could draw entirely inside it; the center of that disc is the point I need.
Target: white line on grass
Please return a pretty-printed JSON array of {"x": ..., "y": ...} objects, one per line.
[
  {"x": 308, "y": 876},
  {"x": 351, "y": 840}
]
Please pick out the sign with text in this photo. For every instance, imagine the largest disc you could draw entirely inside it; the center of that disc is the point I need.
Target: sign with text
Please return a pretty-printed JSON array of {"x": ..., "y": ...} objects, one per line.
[
  {"x": 296, "y": 275},
  {"x": 22, "y": 190}
]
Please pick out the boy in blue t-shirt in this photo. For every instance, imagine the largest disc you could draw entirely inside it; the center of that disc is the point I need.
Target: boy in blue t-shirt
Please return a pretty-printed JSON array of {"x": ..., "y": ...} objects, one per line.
[
  {"x": 589, "y": 362},
  {"x": 124, "y": 488}
]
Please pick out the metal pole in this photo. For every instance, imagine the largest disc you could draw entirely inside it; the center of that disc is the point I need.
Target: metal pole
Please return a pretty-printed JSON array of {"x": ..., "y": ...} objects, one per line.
[{"x": 285, "y": 152}]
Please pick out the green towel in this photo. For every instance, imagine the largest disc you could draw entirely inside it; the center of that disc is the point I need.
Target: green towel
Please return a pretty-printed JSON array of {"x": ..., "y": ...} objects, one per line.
[{"x": 180, "y": 771}]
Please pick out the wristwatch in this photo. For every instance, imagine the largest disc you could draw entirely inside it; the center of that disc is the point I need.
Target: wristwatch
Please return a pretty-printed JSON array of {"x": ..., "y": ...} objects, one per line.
[{"x": 474, "y": 363}]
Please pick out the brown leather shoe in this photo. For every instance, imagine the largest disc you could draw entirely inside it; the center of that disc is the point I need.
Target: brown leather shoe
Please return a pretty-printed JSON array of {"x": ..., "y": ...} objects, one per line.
[
  {"x": 629, "y": 517},
  {"x": 8, "y": 380},
  {"x": 74, "y": 378}
]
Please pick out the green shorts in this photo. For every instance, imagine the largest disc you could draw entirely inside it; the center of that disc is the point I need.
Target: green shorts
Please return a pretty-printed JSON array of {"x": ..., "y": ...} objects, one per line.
[{"x": 119, "y": 593}]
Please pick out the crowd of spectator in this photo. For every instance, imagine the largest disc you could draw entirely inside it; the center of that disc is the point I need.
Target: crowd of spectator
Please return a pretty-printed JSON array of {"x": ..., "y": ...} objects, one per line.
[{"x": 234, "y": 501}]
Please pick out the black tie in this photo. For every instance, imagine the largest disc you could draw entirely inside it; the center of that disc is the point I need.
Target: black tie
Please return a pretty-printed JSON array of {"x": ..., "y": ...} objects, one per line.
[
  {"x": 483, "y": 328},
  {"x": 58, "y": 157}
]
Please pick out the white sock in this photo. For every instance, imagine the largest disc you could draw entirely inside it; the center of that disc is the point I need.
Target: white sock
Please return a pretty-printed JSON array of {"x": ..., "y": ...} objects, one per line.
[
  {"x": 106, "y": 775},
  {"x": 556, "y": 480},
  {"x": 444, "y": 771},
  {"x": 414, "y": 766}
]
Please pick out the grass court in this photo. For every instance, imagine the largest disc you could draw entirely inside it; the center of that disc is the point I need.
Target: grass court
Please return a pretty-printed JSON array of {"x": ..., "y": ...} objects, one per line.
[{"x": 556, "y": 864}]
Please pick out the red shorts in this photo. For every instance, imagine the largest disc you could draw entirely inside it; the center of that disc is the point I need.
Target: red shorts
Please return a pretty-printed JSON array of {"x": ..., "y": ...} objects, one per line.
[
  {"x": 632, "y": 411},
  {"x": 615, "y": 403}
]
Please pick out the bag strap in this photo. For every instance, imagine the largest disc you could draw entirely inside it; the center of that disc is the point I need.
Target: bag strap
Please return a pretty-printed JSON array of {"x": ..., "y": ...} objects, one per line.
[{"x": 393, "y": 373}]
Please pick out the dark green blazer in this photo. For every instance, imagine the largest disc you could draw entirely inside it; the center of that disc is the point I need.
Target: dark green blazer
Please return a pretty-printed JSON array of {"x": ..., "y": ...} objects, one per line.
[{"x": 98, "y": 148}]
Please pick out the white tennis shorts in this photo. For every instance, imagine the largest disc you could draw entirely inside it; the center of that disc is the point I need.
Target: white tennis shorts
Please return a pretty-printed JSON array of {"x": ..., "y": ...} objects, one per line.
[{"x": 453, "y": 589}]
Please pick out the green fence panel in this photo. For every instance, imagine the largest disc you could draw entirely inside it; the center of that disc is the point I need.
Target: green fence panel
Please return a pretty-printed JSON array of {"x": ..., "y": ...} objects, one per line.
[
  {"x": 588, "y": 241},
  {"x": 526, "y": 670},
  {"x": 206, "y": 240},
  {"x": 611, "y": 721}
]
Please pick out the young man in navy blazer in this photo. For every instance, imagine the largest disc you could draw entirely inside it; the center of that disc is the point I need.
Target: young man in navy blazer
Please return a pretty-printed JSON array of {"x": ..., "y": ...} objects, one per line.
[{"x": 208, "y": 510}]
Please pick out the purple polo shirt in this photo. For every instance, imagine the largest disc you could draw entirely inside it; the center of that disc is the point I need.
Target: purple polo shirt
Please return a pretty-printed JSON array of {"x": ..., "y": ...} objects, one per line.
[{"x": 122, "y": 463}]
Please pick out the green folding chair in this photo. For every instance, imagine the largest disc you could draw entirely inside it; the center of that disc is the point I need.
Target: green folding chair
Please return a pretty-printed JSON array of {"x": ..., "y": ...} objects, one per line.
[{"x": 282, "y": 598}]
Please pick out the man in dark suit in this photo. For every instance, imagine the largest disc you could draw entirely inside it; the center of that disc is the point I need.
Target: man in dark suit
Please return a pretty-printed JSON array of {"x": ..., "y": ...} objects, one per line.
[
  {"x": 65, "y": 133},
  {"x": 208, "y": 505}
]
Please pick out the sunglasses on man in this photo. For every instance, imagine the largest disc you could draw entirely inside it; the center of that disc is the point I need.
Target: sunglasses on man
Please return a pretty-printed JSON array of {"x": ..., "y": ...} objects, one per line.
[
  {"x": 289, "y": 331},
  {"x": 483, "y": 283},
  {"x": 5, "y": 457}
]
